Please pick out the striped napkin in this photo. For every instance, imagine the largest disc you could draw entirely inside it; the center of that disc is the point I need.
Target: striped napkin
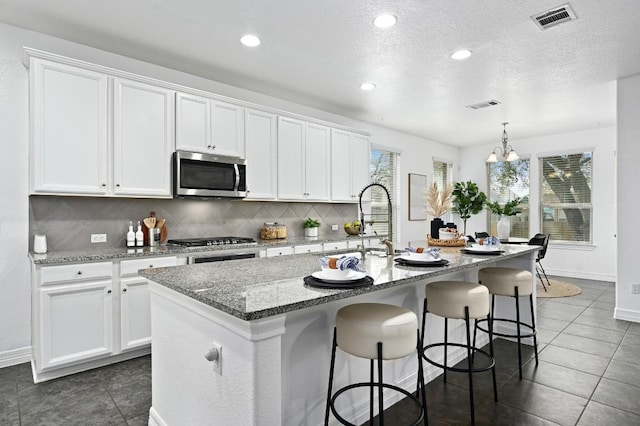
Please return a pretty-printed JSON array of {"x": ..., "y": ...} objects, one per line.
[
  {"x": 342, "y": 263},
  {"x": 434, "y": 252}
]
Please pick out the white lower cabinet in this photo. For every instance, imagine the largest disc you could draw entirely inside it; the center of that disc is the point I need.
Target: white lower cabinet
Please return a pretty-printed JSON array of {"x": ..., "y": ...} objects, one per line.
[
  {"x": 279, "y": 251},
  {"x": 90, "y": 314},
  {"x": 135, "y": 314},
  {"x": 76, "y": 323},
  {"x": 308, "y": 248}
]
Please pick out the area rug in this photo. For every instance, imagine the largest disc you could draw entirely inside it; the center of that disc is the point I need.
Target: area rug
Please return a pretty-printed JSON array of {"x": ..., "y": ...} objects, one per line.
[{"x": 558, "y": 289}]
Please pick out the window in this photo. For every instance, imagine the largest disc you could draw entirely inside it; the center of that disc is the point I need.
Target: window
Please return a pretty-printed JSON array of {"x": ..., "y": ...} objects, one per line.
[
  {"x": 565, "y": 197},
  {"x": 508, "y": 181},
  {"x": 384, "y": 170},
  {"x": 441, "y": 173},
  {"x": 442, "y": 176}
]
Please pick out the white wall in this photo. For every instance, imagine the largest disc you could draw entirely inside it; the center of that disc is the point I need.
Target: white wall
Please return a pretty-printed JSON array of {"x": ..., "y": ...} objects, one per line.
[
  {"x": 595, "y": 262},
  {"x": 14, "y": 274},
  {"x": 628, "y": 176},
  {"x": 15, "y": 306}
]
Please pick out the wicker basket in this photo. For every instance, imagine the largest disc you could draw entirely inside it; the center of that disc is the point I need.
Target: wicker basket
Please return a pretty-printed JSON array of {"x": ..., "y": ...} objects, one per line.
[
  {"x": 352, "y": 230},
  {"x": 446, "y": 243}
]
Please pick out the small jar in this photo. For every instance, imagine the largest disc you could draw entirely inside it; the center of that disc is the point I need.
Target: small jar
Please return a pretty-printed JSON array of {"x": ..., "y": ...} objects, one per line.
[
  {"x": 269, "y": 231},
  {"x": 281, "y": 230}
]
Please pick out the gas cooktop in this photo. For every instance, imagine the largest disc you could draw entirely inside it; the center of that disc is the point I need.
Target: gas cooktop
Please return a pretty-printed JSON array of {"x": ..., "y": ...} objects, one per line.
[{"x": 211, "y": 241}]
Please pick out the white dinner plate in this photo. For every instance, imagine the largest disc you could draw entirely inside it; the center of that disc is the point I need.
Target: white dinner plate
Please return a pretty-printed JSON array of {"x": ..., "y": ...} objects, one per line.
[
  {"x": 478, "y": 248},
  {"x": 418, "y": 259},
  {"x": 351, "y": 277}
]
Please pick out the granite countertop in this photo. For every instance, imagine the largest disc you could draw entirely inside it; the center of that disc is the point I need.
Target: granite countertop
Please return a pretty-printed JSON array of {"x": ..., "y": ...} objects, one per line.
[
  {"x": 251, "y": 289},
  {"x": 96, "y": 255}
]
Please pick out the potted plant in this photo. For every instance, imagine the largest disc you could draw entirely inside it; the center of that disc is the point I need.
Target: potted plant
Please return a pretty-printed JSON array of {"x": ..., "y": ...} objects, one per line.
[
  {"x": 438, "y": 204},
  {"x": 310, "y": 227},
  {"x": 467, "y": 200},
  {"x": 510, "y": 208}
]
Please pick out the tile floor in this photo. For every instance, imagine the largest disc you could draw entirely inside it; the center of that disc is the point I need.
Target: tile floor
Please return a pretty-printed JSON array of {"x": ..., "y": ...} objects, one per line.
[{"x": 589, "y": 374}]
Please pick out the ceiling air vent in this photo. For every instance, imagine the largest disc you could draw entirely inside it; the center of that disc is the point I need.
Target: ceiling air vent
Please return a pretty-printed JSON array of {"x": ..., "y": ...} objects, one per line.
[
  {"x": 553, "y": 17},
  {"x": 492, "y": 102}
]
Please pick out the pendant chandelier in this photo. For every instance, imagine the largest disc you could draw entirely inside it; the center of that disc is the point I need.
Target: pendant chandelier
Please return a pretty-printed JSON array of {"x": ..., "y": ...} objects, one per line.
[{"x": 506, "y": 153}]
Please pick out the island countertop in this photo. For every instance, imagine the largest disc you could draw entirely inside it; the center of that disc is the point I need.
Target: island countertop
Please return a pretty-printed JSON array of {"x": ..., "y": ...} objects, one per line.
[{"x": 252, "y": 289}]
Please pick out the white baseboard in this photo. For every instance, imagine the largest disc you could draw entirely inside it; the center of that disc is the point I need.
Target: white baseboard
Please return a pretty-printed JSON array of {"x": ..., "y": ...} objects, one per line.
[
  {"x": 15, "y": 356},
  {"x": 155, "y": 419},
  {"x": 580, "y": 275},
  {"x": 626, "y": 315}
]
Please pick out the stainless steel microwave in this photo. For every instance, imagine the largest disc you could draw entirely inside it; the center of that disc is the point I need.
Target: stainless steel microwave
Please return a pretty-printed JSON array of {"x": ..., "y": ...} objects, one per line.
[{"x": 208, "y": 175}]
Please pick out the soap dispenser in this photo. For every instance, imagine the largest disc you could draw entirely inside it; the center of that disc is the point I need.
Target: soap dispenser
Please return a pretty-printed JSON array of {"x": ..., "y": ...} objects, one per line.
[
  {"x": 139, "y": 236},
  {"x": 131, "y": 236}
]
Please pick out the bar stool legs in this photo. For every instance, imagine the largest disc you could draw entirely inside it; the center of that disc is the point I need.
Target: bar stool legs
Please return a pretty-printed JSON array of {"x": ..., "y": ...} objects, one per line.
[
  {"x": 509, "y": 282},
  {"x": 455, "y": 292},
  {"x": 359, "y": 329}
]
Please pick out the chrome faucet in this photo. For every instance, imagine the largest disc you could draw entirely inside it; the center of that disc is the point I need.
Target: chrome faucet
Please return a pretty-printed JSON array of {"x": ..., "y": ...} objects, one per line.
[{"x": 388, "y": 242}]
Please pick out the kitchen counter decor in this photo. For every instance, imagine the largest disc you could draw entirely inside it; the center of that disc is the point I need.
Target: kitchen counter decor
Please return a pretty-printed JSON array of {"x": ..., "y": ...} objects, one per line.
[{"x": 456, "y": 242}]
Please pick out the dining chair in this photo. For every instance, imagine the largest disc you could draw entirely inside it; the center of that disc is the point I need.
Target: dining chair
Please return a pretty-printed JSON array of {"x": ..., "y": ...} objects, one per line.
[{"x": 541, "y": 240}]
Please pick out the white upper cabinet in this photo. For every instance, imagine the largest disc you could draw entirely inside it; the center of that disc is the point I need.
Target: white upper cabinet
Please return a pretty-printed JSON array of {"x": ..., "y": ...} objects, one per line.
[
  {"x": 261, "y": 154},
  {"x": 303, "y": 160},
  {"x": 350, "y": 165},
  {"x": 143, "y": 139},
  {"x": 82, "y": 144},
  {"x": 209, "y": 126},
  {"x": 69, "y": 146}
]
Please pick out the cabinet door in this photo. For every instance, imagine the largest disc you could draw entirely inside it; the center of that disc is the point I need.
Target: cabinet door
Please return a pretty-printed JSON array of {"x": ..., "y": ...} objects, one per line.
[
  {"x": 261, "y": 154},
  {"x": 291, "y": 159},
  {"x": 143, "y": 139},
  {"x": 227, "y": 121},
  {"x": 135, "y": 319},
  {"x": 341, "y": 186},
  {"x": 76, "y": 323},
  {"x": 193, "y": 123},
  {"x": 317, "y": 162},
  {"x": 69, "y": 129},
  {"x": 360, "y": 160}
]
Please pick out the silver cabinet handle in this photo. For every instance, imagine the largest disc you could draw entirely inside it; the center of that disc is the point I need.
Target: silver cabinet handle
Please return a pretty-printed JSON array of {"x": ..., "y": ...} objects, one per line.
[{"x": 212, "y": 354}]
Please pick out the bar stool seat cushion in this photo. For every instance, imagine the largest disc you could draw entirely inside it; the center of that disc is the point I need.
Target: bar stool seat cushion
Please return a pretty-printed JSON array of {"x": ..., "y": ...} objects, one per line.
[
  {"x": 449, "y": 298},
  {"x": 502, "y": 281},
  {"x": 359, "y": 328}
]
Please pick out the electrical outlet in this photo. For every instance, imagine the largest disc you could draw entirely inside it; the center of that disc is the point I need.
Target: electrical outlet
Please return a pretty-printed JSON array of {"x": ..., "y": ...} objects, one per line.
[
  {"x": 635, "y": 288},
  {"x": 334, "y": 227},
  {"x": 98, "y": 238}
]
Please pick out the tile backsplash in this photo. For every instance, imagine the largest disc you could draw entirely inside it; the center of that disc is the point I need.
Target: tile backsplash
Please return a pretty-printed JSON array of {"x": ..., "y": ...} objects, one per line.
[{"x": 68, "y": 222}]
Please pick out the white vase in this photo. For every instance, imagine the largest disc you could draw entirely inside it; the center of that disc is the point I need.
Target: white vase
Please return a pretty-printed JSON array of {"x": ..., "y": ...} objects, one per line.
[
  {"x": 310, "y": 232},
  {"x": 504, "y": 228}
]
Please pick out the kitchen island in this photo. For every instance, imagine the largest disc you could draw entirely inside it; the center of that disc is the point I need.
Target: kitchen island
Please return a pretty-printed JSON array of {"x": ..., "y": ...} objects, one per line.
[{"x": 275, "y": 332}]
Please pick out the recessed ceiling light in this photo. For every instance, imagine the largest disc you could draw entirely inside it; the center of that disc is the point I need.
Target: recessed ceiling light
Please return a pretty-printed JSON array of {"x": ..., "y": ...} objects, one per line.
[
  {"x": 385, "y": 21},
  {"x": 461, "y": 54},
  {"x": 367, "y": 86},
  {"x": 250, "y": 40}
]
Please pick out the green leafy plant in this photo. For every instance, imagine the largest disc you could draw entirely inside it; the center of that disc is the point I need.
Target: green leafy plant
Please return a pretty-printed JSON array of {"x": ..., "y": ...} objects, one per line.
[
  {"x": 467, "y": 200},
  {"x": 310, "y": 223},
  {"x": 510, "y": 208}
]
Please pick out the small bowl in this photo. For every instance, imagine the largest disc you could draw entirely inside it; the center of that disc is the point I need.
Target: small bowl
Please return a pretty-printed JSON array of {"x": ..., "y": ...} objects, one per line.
[
  {"x": 444, "y": 235},
  {"x": 335, "y": 274}
]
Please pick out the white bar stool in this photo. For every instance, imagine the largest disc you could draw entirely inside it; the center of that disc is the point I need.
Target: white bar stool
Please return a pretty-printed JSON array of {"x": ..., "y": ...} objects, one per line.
[
  {"x": 514, "y": 283},
  {"x": 459, "y": 300},
  {"x": 377, "y": 331}
]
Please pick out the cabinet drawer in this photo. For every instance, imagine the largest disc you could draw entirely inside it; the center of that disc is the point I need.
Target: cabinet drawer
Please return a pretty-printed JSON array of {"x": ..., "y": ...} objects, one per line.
[
  {"x": 279, "y": 251},
  {"x": 76, "y": 272},
  {"x": 308, "y": 248},
  {"x": 339, "y": 245},
  {"x": 131, "y": 267}
]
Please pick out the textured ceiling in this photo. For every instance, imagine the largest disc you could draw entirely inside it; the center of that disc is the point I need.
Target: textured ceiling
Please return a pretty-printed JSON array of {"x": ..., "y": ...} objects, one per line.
[{"x": 319, "y": 52}]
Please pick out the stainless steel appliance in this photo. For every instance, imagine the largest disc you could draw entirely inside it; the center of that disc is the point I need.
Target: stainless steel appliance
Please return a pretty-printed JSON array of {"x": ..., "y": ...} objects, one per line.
[
  {"x": 211, "y": 241},
  {"x": 222, "y": 255},
  {"x": 208, "y": 175}
]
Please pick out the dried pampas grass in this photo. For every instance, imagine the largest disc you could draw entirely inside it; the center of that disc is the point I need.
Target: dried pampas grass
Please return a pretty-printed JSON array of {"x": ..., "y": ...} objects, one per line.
[{"x": 438, "y": 202}]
